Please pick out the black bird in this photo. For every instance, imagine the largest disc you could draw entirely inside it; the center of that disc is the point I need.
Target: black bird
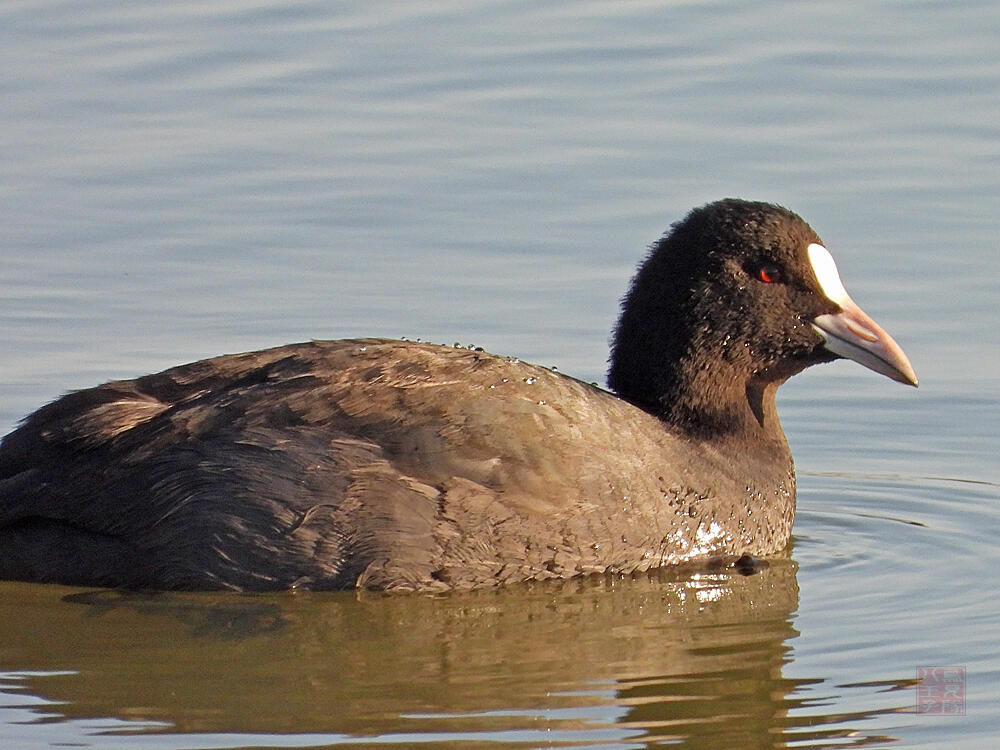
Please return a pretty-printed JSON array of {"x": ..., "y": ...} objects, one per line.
[{"x": 398, "y": 465}]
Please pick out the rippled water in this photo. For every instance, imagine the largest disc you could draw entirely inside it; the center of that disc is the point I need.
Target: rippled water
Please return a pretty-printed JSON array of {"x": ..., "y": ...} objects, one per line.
[{"x": 180, "y": 180}]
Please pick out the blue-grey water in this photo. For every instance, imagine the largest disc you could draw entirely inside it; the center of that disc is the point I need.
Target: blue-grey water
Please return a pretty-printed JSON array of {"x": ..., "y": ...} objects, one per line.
[{"x": 179, "y": 180}]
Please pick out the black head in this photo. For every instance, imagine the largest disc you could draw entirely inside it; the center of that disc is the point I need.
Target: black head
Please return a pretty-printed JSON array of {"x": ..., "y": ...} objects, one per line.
[{"x": 731, "y": 301}]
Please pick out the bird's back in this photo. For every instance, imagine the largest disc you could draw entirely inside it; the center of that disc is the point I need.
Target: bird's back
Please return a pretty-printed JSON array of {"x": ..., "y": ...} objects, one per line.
[{"x": 371, "y": 463}]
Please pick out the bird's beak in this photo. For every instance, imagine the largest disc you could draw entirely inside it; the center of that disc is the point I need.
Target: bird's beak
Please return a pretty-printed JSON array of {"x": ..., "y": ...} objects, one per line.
[{"x": 851, "y": 333}]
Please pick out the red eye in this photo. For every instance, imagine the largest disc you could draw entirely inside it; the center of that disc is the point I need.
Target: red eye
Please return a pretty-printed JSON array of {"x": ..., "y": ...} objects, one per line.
[{"x": 769, "y": 274}]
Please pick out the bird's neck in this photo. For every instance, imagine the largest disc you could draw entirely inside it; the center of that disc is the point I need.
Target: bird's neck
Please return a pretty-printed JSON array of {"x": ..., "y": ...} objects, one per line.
[{"x": 717, "y": 401}]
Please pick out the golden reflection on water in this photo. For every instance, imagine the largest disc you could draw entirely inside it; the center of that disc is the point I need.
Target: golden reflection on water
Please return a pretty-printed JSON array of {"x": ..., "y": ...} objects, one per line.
[{"x": 696, "y": 660}]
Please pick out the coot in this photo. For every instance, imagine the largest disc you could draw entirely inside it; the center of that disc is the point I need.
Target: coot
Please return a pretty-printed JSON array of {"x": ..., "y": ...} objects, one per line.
[{"x": 398, "y": 465}]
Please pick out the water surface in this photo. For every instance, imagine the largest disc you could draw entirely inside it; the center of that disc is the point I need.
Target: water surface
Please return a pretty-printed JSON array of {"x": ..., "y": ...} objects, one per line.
[{"x": 181, "y": 180}]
